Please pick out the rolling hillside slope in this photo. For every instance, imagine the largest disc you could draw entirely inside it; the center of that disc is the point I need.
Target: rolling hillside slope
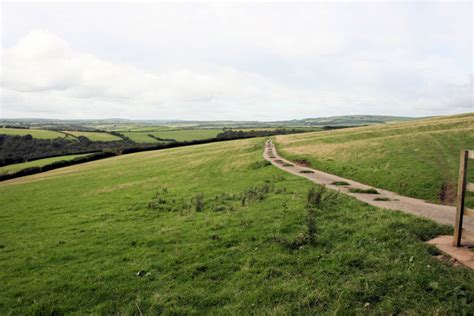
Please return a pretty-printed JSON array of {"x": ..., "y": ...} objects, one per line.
[
  {"x": 211, "y": 229},
  {"x": 36, "y": 133},
  {"x": 36, "y": 163},
  {"x": 418, "y": 158},
  {"x": 352, "y": 120},
  {"x": 95, "y": 136}
]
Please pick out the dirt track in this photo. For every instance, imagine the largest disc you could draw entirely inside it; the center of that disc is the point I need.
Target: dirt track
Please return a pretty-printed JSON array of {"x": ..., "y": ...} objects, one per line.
[{"x": 443, "y": 214}]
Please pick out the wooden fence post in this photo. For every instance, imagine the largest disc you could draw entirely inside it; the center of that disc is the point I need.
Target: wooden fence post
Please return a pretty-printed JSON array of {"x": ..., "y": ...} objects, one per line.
[{"x": 460, "y": 198}]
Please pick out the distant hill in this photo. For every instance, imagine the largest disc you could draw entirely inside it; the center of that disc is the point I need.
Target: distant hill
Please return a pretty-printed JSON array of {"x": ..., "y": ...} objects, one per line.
[
  {"x": 349, "y": 120},
  {"x": 336, "y": 121}
]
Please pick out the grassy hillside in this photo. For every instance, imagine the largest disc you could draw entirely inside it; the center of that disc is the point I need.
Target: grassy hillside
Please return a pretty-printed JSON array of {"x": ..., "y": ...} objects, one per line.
[
  {"x": 139, "y": 137},
  {"x": 418, "y": 158},
  {"x": 95, "y": 136},
  {"x": 353, "y": 120},
  {"x": 147, "y": 128},
  {"x": 36, "y": 163},
  {"x": 178, "y": 135},
  {"x": 211, "y": 229},
  {"x": 36, "y": 133}
]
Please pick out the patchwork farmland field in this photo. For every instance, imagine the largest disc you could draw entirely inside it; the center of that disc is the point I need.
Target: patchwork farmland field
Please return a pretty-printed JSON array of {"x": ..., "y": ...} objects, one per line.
[
  {"x": 95, "y": 136},
  {"x": 139, "y": 128},
  {"x": 140, "y": 137},
  {"x": 418, "y": 158},
  {"x": 211, "y": 229},
  {"x": 36, "y": 133},
  {"x": 36, "y": 163},
  {"x": 178, "y": 135}
]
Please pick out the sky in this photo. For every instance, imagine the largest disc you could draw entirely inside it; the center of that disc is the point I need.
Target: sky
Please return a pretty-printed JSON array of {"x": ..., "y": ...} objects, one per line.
[{"x": 235, "y": 61}]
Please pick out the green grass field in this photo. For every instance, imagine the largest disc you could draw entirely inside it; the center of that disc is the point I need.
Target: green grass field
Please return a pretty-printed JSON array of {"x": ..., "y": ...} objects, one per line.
[
  {"x": 355, "y": 120},
  {"x": 418, "y": 158},
  {"x": 36, "y": 163},
  {"x": 36, "y": 133},
  {"x": 139, "y": 128},
  {"x": 298, "y": 128},
  {"x": 95, "y": 136},
  {"x": 139, "y": 137},
  {"x": 211, "y": 229},
  {"x": 164, "y": 133}
]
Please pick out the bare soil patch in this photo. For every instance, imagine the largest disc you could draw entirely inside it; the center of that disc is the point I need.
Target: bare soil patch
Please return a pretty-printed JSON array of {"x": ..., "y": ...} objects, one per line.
[{"x": 447, "y": 193}]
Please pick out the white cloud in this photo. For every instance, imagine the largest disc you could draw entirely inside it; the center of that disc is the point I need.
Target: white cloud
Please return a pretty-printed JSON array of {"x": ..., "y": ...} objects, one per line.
[
  {"x": 238, "y": 61},
  {"x": 42, "y": 70},
  {"x": 40, "y": 61}
]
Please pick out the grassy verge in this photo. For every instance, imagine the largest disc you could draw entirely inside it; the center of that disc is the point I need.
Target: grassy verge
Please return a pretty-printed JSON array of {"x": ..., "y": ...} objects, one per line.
[{"x": 198, "y": 229}]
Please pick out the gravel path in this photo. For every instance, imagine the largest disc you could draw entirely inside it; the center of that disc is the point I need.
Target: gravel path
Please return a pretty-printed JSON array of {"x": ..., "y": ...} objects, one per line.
[{"x": 443, "y": 214}]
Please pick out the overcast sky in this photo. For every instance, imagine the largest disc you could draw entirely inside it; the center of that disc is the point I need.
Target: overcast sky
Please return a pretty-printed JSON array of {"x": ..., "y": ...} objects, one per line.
[{"x": 264, "y": 61}]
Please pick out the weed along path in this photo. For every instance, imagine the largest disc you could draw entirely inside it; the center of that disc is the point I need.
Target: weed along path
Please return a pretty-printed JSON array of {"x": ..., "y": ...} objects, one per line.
[{"x": 443, "y": 214}]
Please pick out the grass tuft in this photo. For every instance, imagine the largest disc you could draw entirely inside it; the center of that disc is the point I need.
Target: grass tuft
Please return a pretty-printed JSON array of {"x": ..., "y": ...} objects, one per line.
[
  {"x": 198, "y": 202},
  {"x": 260, "y": 164},
  {"x": 365, "y": 191},
  {"x": 340, "y": 183},
  {"x": 315, "y": 199}
]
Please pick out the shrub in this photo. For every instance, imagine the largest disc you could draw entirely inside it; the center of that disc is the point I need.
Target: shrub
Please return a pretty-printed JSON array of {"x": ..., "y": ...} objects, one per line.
[
  {"x": 311, "y": 224},
  {"x": 321, "y": 198},
  {"x": 382, "y": 199},
  {"x": 162, "y": 202},
  {"x": 317, "y": 198},
  {"x": 198, "y": 202},
  {"x": 255, "y": 193},
  {"x": 306, "y": 238}
]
